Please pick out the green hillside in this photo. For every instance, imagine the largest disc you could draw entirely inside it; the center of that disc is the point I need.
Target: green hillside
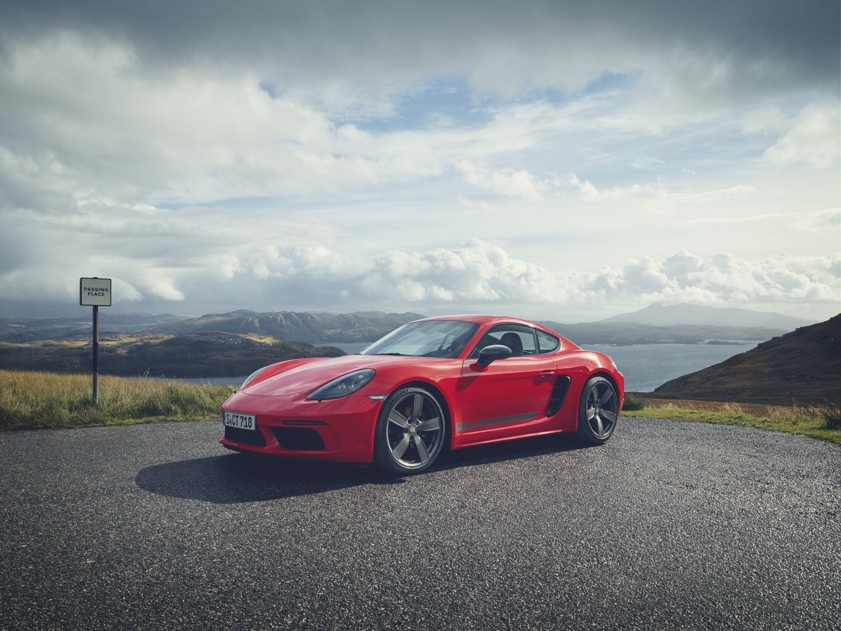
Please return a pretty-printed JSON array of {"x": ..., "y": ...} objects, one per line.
[{"x": 802, "y": 366}]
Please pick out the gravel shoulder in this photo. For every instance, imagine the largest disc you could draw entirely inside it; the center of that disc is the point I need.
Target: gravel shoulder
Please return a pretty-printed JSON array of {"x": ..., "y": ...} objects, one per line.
[{"x": 670, "y": 524}]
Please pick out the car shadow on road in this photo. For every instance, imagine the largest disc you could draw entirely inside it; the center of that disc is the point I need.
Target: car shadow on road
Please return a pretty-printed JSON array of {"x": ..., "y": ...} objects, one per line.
[
  {"x": 518, "y": 449},
  {"x": 235, "y": 478}
]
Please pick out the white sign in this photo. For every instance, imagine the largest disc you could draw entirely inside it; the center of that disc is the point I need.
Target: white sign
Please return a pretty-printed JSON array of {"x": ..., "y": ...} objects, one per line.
[{"x": 95, "y": 292}]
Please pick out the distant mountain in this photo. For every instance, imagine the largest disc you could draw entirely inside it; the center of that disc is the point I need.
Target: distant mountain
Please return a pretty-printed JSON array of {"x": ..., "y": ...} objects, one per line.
[
  {"x": 310, "y": 328},
  {"x": 802, "y": 366},
  {"x": 669, "y": 315}
]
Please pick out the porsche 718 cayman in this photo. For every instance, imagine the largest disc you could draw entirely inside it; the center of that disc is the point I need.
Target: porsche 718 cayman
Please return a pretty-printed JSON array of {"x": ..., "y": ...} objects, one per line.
[{"x": 429, "y": 386}]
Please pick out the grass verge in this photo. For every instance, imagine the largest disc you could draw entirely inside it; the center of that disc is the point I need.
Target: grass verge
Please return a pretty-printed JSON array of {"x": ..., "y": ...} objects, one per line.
[
  {"x": 809, "y": 420},
  {"x": 31, "y": 400}
]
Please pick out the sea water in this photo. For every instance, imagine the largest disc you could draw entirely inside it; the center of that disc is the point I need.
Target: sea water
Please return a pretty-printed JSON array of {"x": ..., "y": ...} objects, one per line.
[{"x": 647, "y": 366}]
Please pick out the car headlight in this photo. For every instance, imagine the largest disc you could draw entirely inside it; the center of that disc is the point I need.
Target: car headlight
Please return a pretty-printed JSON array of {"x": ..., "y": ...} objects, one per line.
[{"x": 342, "y": 386}]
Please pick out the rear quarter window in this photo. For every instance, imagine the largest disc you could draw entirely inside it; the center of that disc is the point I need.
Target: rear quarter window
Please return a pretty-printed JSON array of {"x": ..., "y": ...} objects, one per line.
[{"x": 547, "y": 343}]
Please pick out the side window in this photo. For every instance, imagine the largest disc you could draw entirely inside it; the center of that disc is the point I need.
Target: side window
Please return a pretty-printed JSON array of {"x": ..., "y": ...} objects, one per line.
[
  {"x": 518, "y": 338},
  {"x": 547, "y": 343}
]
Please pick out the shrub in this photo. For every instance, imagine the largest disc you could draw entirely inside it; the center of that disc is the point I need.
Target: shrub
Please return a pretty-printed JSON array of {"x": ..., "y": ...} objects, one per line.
[
  {"x": 633, "y": 401},
  {"x": 832, "y": 415}
]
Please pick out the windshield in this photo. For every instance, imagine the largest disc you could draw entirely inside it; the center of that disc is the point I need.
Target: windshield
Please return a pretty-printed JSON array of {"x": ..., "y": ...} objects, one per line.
[{"x": 433, "y": 338}]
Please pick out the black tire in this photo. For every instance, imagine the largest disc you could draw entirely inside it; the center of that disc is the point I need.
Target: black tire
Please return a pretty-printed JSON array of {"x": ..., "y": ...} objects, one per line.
[
  {"x": 411, "y": 431},
  {"x": 598, "y": 411}
]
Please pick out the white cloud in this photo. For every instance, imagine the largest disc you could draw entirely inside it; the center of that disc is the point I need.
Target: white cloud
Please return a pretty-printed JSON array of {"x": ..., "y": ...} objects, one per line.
[
  {"x": 165, "y": 289},
  {"x": 820, "y": 221},
  {"x": 682, "y": 268},
  {"x": 588, "y": 191},
  {"x": 647, "y": 162},
  {"x": 814, "y": 139},
  {"x": 726, "y": 279},
  {"x": 507, "y": 183},
  {"x": 168, "y": 263}
]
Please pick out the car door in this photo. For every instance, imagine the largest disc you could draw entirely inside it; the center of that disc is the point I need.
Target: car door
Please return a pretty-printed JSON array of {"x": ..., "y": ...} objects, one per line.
[{"x": 510, "y": 396}]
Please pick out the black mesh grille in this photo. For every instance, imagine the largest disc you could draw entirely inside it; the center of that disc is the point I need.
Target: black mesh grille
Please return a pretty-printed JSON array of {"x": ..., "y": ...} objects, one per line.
[
  {"x": 247, "y": 436},
  {"x": 298, "y": 438}
]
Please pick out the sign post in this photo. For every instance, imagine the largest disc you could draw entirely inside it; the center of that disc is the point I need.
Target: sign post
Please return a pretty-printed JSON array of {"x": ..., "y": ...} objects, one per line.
[{"x": 95, "y": 292}]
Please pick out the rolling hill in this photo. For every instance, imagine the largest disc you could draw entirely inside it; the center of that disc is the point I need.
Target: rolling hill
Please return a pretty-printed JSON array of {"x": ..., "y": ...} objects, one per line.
[
  {"x": 309, "y": 328},
  {"x": 678, "y": 324},
  {"x": 803, "y": 366},
  {"x": 201, "y": 354}
]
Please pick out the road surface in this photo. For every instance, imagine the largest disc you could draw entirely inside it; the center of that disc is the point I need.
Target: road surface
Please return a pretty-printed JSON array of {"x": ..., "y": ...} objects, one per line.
[{"x": 669, "y": 525}]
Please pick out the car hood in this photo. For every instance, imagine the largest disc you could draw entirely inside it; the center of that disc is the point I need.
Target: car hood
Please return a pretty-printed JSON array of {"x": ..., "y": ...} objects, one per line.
[{"x": 304, "y": 377}]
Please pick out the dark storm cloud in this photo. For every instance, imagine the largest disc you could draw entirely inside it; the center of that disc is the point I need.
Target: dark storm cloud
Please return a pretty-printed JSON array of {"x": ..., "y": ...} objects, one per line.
[{"x": 768, "y": 42}]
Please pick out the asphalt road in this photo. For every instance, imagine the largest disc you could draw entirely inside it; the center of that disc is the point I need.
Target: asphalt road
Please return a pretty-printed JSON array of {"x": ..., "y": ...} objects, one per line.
[{"x": 669, "y": 525}]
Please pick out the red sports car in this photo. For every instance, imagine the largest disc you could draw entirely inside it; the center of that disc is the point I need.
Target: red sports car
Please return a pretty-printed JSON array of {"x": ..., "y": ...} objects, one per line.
[{"x": 430, "y": 385}]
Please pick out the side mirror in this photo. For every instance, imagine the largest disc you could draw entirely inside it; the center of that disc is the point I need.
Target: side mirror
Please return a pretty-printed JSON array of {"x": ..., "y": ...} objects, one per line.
[{"x": 492, "y": 353}]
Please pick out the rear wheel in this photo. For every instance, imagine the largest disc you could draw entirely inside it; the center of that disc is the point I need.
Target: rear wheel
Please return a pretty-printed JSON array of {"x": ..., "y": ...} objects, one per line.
[
  {"x": 411, "y": 430},
  {"x": 598, "y": 411}
]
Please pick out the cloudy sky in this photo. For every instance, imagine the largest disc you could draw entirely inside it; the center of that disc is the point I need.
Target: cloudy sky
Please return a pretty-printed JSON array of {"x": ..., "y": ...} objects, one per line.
[{"x": 552, "y": 159}]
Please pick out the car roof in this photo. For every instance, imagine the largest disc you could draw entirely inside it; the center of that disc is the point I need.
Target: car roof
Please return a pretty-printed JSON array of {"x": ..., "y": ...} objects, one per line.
[
  {"x": 491, "y": 320},
  {"x": 481, "y": 319}
]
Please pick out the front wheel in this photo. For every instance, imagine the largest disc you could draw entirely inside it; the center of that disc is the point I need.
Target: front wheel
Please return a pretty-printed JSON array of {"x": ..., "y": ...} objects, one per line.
[
  {"x": 598, "y": 411},
  {"x": 411, "y": 430}
]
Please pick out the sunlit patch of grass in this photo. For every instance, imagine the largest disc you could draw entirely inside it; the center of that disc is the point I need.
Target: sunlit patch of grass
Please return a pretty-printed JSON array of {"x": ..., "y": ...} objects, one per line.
[
  {"x": 31, "y": 400},
  {"x": 123, "y": 340},
  {"x": 268, "y": 340},
  {"x": 810, "y": 420}
]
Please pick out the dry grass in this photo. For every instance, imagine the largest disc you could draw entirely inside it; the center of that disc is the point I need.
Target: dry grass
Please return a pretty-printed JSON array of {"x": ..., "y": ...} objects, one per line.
[
  {"x": 818, "y": 421},
  {"x": 31, "y": 400}
]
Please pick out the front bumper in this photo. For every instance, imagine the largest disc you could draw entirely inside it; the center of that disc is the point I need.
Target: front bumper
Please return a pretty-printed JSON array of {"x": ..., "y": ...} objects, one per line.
[{"x": 339, "y": 430}]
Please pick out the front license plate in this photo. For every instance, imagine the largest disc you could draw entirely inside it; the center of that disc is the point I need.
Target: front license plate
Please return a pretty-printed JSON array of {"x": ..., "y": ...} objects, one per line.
[{"x": 241, "y": 421}]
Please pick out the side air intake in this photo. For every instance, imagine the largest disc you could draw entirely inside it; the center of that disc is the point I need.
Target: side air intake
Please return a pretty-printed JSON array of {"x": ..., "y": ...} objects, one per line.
[{"x": 559, "y": 393}]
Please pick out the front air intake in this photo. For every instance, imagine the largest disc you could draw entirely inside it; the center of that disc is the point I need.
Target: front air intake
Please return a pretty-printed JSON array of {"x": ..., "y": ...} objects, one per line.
[
  {"x": 245, "y": 436},
  {"x": 298, "y": 438}
]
